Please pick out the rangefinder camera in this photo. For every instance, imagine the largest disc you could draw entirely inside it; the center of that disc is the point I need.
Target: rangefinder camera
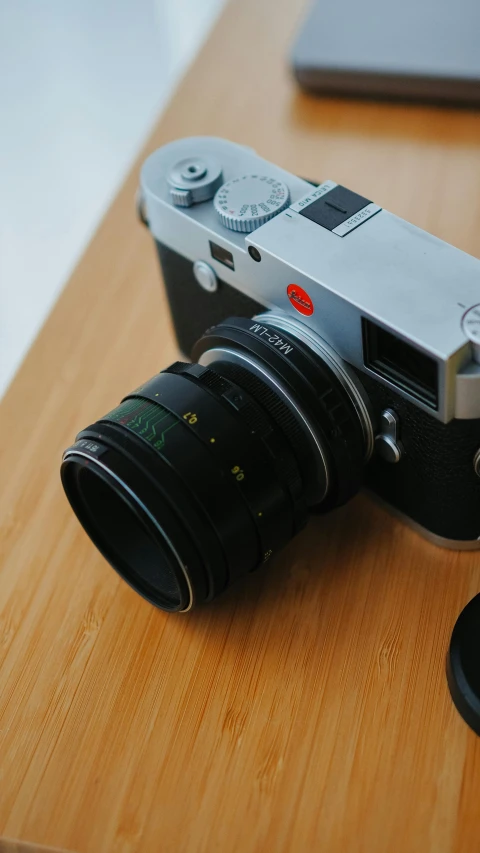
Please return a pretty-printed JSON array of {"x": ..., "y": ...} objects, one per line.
[{"x": 327, "y": 344}]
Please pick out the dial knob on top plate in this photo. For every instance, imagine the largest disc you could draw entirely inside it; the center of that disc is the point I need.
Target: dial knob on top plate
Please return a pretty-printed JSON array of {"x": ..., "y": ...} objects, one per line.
[
  {"x": 245, "y": 203},
  {"x": 193, "y": 180},
  {"x": 471, "y": 327}
]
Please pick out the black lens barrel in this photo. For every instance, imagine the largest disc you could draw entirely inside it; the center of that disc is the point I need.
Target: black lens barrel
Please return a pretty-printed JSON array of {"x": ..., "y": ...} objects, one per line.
[
  {"x": 202, "y": 474},
  {"x": 219, "y": 474}
]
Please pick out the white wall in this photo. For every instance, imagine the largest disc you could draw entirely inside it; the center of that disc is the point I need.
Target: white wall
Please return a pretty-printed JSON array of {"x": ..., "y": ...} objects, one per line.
[{"x": 81, "y": 83}]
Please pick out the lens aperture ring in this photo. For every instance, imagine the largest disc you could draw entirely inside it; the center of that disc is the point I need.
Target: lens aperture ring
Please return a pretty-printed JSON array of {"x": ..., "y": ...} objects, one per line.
[
  {"x": 246, "y": 407},
  {"x": 237, "y": 393},
  {"x": 236, "y": 452}
]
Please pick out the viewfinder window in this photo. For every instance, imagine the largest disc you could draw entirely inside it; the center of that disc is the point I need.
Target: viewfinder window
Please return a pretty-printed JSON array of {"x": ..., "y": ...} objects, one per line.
[
  {"x": 399, "y": 362},
  {"x": 222, "y": 255}
]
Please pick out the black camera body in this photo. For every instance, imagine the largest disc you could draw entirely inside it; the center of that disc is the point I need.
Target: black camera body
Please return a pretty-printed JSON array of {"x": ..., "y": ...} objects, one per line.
[{"x": 333, "y": 346}]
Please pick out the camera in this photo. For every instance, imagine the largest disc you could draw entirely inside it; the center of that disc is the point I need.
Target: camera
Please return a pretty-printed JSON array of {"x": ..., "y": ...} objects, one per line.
[{"x": 331, "y": 345}]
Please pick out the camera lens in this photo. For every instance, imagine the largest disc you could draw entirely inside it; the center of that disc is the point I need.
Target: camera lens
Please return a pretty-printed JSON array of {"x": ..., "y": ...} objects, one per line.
[
  {"x": 206, "y": 471},
  {"x": 121, "y": 529}
]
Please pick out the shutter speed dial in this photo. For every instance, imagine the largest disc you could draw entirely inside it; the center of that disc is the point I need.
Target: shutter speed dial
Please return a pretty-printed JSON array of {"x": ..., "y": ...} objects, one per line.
[{"x": 245, "y": 203}]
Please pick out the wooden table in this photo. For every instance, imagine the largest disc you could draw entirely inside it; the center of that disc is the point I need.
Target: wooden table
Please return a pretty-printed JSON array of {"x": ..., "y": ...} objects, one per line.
[{"x": 307, "y": 710}]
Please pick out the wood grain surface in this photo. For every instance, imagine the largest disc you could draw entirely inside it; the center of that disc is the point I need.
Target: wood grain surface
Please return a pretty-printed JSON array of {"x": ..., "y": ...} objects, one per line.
[
  {"x": 9, "y": 845},
  {"x": 308, "y": 709}
]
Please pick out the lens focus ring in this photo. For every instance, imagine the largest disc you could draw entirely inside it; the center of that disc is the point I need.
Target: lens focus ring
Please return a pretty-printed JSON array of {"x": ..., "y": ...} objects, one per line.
[
  {"x": 253, "y": 461},
  {"x": 252, "y": 415},
  {"x": 252, "y": 452}
]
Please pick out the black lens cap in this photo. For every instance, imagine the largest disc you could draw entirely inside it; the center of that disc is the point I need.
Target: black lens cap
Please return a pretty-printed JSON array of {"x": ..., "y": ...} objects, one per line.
[{"x": 463, "y": 664}]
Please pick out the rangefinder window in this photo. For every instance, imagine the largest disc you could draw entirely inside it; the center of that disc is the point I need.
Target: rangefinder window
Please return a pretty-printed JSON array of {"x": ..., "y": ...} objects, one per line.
[
  {"x": 222, "y": 255},
  {"x": 400, "y": 363}
]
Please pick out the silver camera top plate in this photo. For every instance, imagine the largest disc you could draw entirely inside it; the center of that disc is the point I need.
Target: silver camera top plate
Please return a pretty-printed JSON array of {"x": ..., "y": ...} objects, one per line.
[{"x": 369, "y": 266}]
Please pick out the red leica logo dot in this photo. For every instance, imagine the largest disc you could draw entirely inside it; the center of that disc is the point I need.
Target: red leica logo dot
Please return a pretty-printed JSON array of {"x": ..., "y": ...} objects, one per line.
[{"x": 300, "y": 299}]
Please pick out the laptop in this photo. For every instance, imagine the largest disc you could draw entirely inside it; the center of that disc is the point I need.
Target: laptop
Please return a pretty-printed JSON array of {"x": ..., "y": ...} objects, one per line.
[{"x": 426, "y": 50}]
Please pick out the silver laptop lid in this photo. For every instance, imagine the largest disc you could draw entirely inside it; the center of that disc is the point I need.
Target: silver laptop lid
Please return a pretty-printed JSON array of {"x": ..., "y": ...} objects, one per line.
[{"x": 422, "y": 49}]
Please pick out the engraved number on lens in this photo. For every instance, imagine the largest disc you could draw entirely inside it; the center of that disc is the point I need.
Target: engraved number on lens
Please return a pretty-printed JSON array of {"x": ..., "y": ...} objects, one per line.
[
  {"x": 238, "y": 473},
  {"x": 190, "y": 417}
]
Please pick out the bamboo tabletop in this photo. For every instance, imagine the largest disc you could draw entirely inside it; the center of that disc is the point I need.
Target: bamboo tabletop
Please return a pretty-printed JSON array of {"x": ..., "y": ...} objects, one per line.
[{"x": 307, "y": 709}]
